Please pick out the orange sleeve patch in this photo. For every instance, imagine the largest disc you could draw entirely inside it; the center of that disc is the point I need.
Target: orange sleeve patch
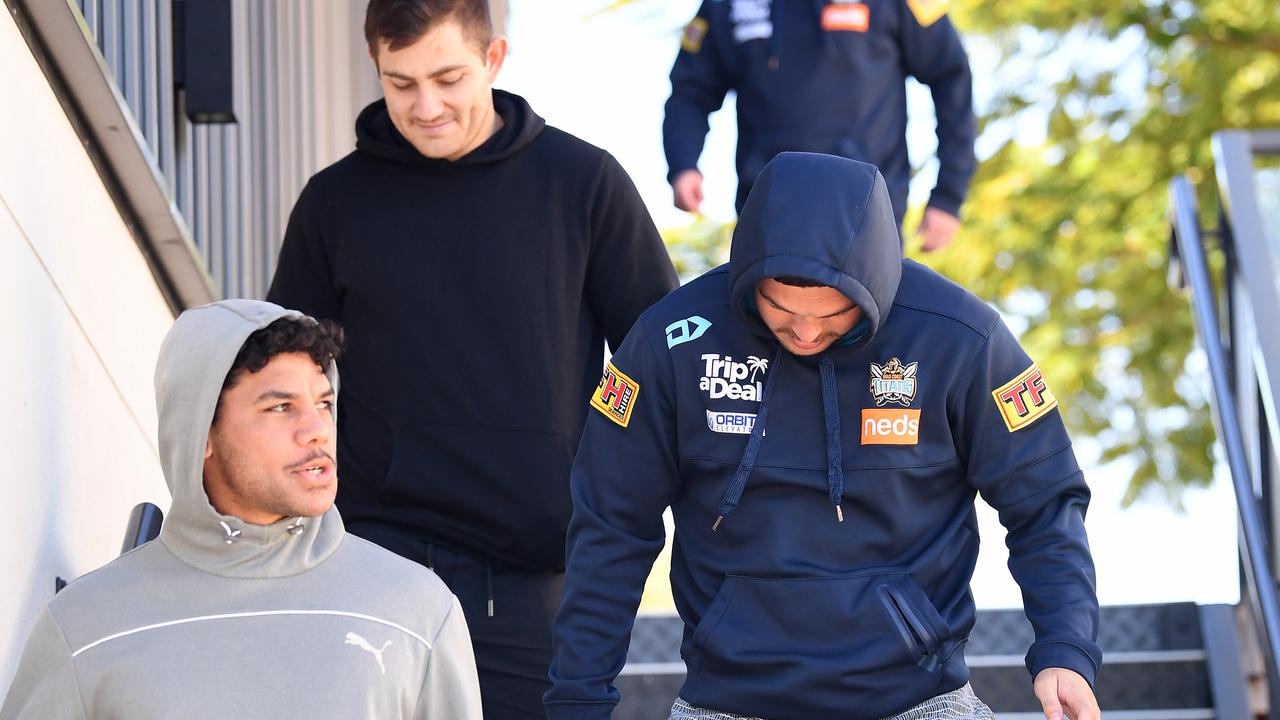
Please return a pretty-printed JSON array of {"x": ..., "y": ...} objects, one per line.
[
  {"x": 616, "y": 395},
  {"x": 1024, "y": 399},
  {"x": 692, "y": 36},
  {"x": 927, "y": 12}
]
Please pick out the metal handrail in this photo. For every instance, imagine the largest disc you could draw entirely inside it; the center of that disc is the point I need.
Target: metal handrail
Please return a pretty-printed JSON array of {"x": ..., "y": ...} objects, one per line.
[{"x": 1191, "y": 255}]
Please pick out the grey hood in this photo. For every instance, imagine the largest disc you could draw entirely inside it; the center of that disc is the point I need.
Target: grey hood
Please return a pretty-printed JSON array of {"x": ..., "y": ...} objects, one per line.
[{"x": 194, "y": 359}]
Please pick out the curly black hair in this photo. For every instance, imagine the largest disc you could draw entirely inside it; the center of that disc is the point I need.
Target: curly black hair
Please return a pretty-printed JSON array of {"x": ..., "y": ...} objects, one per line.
[{"x": 323, "y": 340}]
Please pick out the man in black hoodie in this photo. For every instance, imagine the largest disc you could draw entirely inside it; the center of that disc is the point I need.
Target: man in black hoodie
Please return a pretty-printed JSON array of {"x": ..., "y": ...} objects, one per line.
[
  {"x": 478, "y": 260},
  {"x": 819, "y": 415}
]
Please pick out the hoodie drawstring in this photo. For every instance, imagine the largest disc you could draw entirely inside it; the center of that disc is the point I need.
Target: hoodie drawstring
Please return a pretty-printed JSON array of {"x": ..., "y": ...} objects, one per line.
[
  {"x": 831, "y": 421},
  {"x": 734, "y": 493},
  {"x": 488, "y": 579},
  {"x": 831, "y": 418},
  {"x": 775, "y": 22}
]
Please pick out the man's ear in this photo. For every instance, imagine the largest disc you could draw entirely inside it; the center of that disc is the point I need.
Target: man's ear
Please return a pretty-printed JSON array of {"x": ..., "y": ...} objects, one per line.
[
  {"x": 495, "y": 55},
  {"x": 208, "y": 446}
]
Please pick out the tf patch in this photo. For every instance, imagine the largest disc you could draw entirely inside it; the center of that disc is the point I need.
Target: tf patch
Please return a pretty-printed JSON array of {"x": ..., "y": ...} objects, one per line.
[
  {"x": 927, "y": 12},
  {"x": 1024, "y": 399},
  {"x": 846, "y": 17},
  {"x": 692, "y": 36},
  {"x": 615, "y": 396}
]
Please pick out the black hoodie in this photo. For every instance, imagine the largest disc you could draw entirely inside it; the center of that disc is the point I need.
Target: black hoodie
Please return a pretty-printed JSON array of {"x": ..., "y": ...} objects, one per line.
[
  {"x": 477, "y": 296},
  {"x": 824, "y": 505}
]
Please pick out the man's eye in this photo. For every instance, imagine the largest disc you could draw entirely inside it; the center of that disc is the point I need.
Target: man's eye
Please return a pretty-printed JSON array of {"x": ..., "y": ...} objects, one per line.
[
  {"x": 282, "y": 407},
  {"x": 451, "y": 80},
  {"x": 325, "y": 405},
  {"x": 401, "y": 86}
]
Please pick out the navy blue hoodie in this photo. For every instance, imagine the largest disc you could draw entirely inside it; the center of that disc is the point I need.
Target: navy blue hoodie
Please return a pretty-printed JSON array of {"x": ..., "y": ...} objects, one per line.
[
  {"x": 824, "y": 76},
  {"x": 791, "y": 613}
]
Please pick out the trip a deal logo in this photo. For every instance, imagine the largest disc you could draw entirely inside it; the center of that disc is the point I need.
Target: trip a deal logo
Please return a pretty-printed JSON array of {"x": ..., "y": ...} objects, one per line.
[{"x": 724, "y": 377}]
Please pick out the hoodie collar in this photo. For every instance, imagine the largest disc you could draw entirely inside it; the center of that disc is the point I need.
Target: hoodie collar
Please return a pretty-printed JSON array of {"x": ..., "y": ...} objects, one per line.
[
  {"x": 194, "y": 359},
  {"x": 378, "y": 136}
]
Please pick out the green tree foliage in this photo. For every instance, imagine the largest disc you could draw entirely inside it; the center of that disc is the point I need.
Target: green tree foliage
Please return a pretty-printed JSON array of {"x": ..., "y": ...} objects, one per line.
[{"x": 1096, "y": 106}]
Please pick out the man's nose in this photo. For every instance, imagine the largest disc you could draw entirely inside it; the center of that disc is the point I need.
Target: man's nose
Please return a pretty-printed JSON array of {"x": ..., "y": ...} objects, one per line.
[
  {"x": 428, "y": 105},
  {"x": 316, "y": 427},
  {"x": 807, "y": 330}
]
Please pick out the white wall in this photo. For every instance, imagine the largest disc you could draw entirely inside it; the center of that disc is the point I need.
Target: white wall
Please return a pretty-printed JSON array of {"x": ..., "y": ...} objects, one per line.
[{"x": 81, "y": 320}]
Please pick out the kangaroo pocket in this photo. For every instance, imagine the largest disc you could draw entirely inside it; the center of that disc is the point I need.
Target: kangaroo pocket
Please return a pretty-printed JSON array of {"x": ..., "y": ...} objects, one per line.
[
  {"x": 504, "y": 490},
  {"x": 817, "y": 647}
]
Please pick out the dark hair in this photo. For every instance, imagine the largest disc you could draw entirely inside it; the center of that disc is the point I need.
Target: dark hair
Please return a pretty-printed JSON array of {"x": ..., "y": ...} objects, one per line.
[
  {"x": 323, "y": 340},
  {"x": 403, "y": 22},
  {"x": 795, "y": 281}
]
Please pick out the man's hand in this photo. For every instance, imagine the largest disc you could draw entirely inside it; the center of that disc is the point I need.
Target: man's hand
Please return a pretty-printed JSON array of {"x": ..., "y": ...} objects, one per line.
[
  {"x": 937, "y": 227},
  {"x": 687, "y": 187},
  {"x": 1059, "y": 689}
]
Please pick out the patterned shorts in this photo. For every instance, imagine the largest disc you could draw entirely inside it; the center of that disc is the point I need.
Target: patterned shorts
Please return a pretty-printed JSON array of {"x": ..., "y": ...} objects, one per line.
[{"x": 959, "y": 704}]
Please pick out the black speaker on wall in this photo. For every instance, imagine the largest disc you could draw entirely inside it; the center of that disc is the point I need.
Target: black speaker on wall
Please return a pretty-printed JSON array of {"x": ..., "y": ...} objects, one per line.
[{"x": 203, "y": 59}]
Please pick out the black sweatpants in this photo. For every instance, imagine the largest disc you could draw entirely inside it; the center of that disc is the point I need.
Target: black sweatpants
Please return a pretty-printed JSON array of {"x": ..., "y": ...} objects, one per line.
[{"x": 513, "y": 643}]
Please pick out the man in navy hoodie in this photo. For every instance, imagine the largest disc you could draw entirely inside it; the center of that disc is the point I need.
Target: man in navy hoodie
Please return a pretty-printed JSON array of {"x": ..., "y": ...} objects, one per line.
[
  {"x": 820, "y": 415},
  {"x": 824, "y": 76}
]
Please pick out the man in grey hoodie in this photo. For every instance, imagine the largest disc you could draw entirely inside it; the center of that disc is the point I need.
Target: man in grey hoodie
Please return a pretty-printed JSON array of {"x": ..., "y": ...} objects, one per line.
[{"x": 254, "y": 601}]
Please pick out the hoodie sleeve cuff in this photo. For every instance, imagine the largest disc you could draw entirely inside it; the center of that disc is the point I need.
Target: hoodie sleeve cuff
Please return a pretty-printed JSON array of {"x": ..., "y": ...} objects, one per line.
[
  {"x": 1061, "y": 654},
  {"x": 949, "y": 205},
  {"x": 676, "y": 170},
  {"x": 579, "y": 711}
]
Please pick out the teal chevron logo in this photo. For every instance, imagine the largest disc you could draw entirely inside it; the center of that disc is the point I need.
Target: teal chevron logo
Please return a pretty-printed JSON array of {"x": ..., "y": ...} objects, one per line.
[{"x": 687, "y": 330}]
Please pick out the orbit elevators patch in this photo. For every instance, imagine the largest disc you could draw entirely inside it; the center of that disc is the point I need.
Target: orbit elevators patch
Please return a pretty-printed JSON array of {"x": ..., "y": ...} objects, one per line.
[
  {"x": 615, "y": 396},
  {"x": 1024, "y": 399}
]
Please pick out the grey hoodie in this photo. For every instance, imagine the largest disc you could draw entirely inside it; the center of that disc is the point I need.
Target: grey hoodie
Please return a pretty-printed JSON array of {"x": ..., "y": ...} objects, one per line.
[{"x": 219, "y": 618}]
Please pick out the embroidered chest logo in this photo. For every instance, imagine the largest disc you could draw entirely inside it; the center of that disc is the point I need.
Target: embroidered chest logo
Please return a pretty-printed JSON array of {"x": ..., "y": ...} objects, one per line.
[
  {"x": 687, "y": 330},
  {"x": 724, "y": 378},
  {"x": 1024, "y": 399},
  {"x": 893, "y": 382},
  {"x": 354, "y": 639},
  {"x": 750, "y": 20},
  {"x": 615, "y": 396}
]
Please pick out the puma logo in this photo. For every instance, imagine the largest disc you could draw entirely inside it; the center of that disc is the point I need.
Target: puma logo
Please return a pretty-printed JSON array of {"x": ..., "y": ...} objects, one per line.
[{"x": 354, "y": 639}]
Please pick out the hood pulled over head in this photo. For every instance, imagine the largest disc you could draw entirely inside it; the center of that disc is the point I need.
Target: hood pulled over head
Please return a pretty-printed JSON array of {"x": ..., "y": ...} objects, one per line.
[
  {"x": 195, "y": 358},
  {"x": 822, "y": 218}
]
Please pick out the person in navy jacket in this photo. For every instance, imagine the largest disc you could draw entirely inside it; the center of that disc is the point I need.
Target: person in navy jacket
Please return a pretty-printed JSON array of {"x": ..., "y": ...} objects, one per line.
[
  {"x": 824, "y": 76},
  {"x": 820, "y": 414}
]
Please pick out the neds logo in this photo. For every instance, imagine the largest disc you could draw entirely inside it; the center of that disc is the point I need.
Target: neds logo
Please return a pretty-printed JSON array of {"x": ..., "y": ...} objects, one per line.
[{"x": 890, "y": 426}]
